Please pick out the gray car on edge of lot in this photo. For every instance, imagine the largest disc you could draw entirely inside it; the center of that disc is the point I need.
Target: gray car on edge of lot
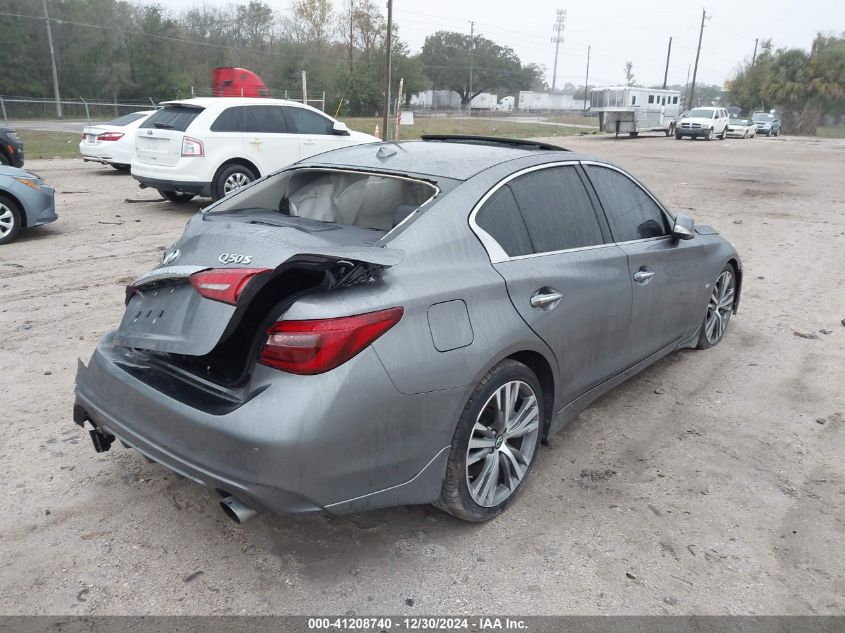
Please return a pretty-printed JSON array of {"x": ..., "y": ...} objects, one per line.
[
  {"x": 25, "y": 201},
  {"x": 400, "y": 323}
]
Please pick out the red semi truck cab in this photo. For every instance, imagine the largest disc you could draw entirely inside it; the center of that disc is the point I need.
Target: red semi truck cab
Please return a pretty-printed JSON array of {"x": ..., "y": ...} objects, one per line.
[{"x": 237, "y": 82}]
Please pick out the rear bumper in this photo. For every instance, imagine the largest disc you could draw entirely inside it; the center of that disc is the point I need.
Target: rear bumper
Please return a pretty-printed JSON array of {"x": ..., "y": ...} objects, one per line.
[
  {"x": 199, "y": 188},
  {"x": 342, "y": 441}
]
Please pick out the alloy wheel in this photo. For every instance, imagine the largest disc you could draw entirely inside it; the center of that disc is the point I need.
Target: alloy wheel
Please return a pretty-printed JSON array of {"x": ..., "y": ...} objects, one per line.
[
  {"x": 235, "y": 181},
  {"x": 7, "y": 220},
  {"x": 502, "y": 443},
  {"x": 720, "y": 307}
]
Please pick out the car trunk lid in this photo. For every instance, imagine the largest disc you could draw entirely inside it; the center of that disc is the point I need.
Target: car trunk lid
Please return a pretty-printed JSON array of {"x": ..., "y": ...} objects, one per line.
[{"x": 165, "y": 313}]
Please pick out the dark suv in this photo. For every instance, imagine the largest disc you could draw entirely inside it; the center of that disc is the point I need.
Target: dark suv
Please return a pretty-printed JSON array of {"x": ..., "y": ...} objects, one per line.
[{"x": 11, "y": 148}]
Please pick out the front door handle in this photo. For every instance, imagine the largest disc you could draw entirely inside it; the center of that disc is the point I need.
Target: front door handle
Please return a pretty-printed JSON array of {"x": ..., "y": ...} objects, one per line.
[
  {"x": 545, "y": 298},
  {"x": 642, "y": 276}
]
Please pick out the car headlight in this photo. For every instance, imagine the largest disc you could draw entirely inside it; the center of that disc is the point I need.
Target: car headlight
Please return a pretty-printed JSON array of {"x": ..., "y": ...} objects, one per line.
[
  {"x": 32, "y": 184},
  {"x": 706, "y": 126}
]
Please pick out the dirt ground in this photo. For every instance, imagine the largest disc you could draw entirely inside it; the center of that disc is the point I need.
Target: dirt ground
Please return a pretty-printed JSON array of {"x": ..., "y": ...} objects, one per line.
[{"x": 713, "y": 483}]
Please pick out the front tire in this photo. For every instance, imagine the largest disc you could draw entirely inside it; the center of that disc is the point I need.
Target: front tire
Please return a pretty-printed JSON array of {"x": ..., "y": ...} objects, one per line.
[
  {"x": 177, "y": 196},
  {"x": 678, "y": 136},
  {"x": 708, "y": 135},
  {"x": 720, "y": 307},
  {"x": 494, "y": 444},
  {"x": 10, "y": 219},
  {"x": 230, "y": 179}
]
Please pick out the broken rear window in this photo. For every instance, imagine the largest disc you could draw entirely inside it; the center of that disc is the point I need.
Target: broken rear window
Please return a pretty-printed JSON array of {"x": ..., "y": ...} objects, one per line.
[{"x": 351, "y": 198}]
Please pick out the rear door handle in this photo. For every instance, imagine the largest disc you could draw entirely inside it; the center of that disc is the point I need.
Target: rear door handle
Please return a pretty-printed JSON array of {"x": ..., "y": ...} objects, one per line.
[
  {"x": 545, "y": 298},
  {"x": 642, "y": 276}
]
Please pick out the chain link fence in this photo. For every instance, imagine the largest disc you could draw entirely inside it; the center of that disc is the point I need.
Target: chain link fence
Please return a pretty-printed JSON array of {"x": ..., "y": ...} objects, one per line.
[{"x": 39, "y": 109}]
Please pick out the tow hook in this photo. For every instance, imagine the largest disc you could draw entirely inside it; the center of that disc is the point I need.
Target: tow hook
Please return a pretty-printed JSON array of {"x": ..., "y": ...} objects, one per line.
[{"x": 102, "y": 441}]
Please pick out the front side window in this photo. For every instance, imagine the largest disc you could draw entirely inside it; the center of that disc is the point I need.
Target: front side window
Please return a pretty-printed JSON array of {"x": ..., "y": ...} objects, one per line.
[
  {"x": 556, "y": 209},
  {"x": 632, "y": 213},
  {"x": 304, "y": 121}
]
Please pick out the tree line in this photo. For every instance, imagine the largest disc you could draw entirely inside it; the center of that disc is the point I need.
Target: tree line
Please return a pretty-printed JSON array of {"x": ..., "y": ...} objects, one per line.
[
  {"x": 112, "y": 49},
  {"x": 802, "y": 85}
]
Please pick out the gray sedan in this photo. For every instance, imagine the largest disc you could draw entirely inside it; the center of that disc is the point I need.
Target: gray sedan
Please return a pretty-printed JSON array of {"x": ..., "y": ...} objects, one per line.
[
  {"x": 400, "y": 323},
  {"x": 25, "y": 201}
]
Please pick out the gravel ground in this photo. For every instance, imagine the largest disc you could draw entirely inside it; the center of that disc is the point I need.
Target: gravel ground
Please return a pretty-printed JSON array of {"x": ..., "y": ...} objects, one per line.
[{"x": 712, "y": 483}]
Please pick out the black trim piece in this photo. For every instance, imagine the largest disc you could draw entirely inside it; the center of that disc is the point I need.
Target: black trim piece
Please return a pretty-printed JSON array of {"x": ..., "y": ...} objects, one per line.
[
  {"x": 199, "y": 188},
  {"x": 494, "y": 140}
]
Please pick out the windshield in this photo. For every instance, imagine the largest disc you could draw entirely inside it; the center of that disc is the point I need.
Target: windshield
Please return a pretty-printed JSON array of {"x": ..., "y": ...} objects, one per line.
[
  {"x": 126, "y": 119},
  {"x": 762, "y": 117},
  {"x": 739, "y": 121},
  {"x": 701, "y": 113}
]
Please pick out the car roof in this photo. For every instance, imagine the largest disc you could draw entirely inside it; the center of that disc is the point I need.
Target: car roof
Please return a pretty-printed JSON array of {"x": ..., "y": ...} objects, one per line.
[
  {"x": 207, "y": 102},
  {"x": 443, "y": 158}
]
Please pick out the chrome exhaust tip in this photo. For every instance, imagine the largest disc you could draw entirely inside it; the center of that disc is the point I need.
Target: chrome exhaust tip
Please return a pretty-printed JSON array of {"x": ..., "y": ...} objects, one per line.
[{"x": 237, "y": 511}]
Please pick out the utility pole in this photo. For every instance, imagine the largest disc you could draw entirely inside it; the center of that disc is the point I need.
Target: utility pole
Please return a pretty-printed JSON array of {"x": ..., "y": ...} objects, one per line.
[
  {"x": 557, "y": 38},
  {"x": 697, "y": 53},
  {"x": 686, "y": 88},
  {"x": 351, "y": 49},
  {"x": 666, "y": 72},
  {"x": 587, "y": 79},
  {"x": 471, "y": 49},
  {"x": 52, "y": 61},
  {"x": 388, "y": 53},
  {"x": 754, "y": 56}
]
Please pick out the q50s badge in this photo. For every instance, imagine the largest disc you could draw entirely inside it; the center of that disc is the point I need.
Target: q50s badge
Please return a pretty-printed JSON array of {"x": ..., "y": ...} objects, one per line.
[{"x": 234, "y": 258}]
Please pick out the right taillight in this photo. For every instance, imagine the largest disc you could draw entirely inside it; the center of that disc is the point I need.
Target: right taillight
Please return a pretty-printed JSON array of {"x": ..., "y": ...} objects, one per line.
[
  {"x": 192, "y": 147},
  {"x": 319, "y": 345}
]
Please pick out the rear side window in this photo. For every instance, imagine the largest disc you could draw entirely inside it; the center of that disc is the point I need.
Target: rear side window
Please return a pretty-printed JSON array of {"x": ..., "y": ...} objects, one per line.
[
  {"x": 304, "y": 121},
  {"x": 173, "y": 117},
  {"x": 230, "y": 120},
  {"x": 267, "y": 119},
  {"x": 501, "y": 218},
  {"x": 126, "y": 119},
  {"x": 631, "y": 212},
  {"x": 557, "y": 209}
]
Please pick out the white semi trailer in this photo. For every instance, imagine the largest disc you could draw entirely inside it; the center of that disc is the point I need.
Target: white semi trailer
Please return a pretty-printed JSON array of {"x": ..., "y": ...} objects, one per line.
[{"x": 631, "y": 110}]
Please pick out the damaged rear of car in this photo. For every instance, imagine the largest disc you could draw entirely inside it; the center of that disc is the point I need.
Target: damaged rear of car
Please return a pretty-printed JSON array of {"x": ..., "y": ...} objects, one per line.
[{"x": 207, "y": 376}]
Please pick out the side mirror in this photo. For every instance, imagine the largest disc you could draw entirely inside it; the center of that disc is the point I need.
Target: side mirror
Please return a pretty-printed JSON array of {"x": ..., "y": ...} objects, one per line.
[
  {"x": 340, "y": 128},
  {"x": 684, "y": 228}
]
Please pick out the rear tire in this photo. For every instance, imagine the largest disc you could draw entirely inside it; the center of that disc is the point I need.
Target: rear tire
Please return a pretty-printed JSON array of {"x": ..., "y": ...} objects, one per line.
[
  {"x": 724, "y": 133},
  {"x": 720, "y": 307},
  {"x": 177, "y": 196},
  {"x": 494, "y": 444},
  {"x": 10, "y": 219},
  {"x": 4, "y": 160},
  {"x": 230, "y": 179},
  {"x": 633, "y": 134}
]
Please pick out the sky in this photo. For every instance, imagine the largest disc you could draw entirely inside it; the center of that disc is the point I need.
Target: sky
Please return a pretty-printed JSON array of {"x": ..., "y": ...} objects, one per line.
[{"x": 616, "y": 31}]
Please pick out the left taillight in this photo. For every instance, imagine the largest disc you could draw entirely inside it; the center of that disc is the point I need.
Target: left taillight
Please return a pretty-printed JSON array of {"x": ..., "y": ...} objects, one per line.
[
  {"x": 319, "y": 345},
  {"x": 110, "y": 136},
  {"x": 192, "y": 147},
  {"x": 224, "y": 284}
]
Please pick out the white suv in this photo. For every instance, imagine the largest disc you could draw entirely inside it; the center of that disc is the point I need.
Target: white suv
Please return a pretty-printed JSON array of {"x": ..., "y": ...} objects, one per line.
[
  {"x": 706, "y": 122},
  {"x": 211, "y": 147}
]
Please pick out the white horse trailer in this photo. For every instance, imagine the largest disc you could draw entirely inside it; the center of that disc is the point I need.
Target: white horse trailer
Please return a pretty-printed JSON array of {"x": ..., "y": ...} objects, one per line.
[{"x": 630, "y": 110}]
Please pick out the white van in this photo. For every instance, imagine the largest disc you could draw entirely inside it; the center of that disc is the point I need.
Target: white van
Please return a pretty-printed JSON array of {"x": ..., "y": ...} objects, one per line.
[{"x": 213, "y": 146}]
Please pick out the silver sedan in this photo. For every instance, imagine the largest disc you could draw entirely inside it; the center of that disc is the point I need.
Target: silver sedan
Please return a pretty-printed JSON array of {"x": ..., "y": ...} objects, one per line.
[{"x": 400, "y": 323}]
